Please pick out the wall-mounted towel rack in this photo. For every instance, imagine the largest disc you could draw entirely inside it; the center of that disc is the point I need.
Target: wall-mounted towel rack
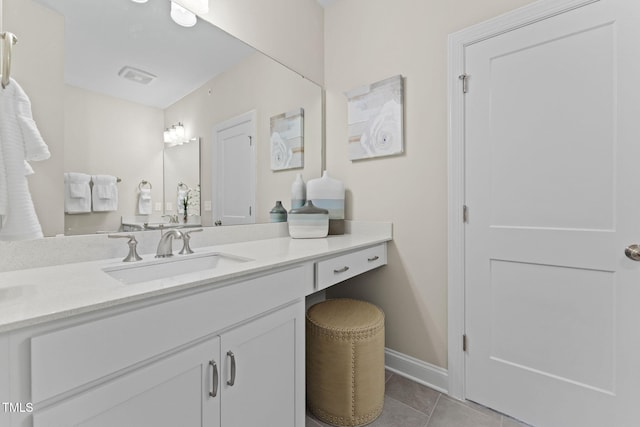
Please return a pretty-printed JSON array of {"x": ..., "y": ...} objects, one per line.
[
  {"x": 143, "y": 183},
  {"x": 8, "y": 40},
  {"x": 117, "y": 180}
]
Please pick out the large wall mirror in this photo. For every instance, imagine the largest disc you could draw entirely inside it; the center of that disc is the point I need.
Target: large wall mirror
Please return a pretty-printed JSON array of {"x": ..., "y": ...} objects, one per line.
[{"x": 131, "y": 72}]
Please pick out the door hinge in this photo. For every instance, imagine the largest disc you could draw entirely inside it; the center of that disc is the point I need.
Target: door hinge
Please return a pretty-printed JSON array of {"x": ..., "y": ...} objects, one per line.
[
  {"x": 465, "y": 214},
  {"x": 250, "y": 140},
  {"x": 464, "y": 343},
  {"x": 465, "y": 82},
  {"x": 249, "y": 210}
]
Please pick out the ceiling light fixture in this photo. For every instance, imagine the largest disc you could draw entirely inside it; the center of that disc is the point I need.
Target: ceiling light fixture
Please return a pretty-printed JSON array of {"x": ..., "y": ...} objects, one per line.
[
  {"x": 182, "y": 16},
  {"x": 139, "y": 1},
  {"x": 198, "y": 7}
]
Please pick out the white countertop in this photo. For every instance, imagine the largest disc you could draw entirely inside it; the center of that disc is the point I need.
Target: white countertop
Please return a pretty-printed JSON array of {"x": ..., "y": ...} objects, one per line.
[{"x": 33, "y": 296}]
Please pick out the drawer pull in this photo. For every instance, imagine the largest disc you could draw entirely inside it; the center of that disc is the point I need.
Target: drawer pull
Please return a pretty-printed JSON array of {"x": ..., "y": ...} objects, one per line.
[
  {"x": 341, "y": 270},
  {"x": 373, "y": 258},
  {"x": 214, "y": 379},
  {"x": 232, "y": 380}
]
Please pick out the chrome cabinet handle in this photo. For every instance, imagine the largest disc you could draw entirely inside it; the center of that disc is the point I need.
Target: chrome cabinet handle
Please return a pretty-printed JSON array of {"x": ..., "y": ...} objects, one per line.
[
  {"x": 374, "y": 258},
  {"x": 341, "y": 270},
  {"x": 232, "y": 380},
  {"x": 214, "y": 379}
]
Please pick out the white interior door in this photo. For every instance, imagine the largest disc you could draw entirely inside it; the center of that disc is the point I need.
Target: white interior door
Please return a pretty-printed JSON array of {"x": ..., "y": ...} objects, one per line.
[
  {"x": 234, "y": 180},
  {"x": 552, "y": 147}
]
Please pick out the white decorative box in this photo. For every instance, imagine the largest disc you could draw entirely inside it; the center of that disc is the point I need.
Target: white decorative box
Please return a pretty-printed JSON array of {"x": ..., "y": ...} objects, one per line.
[{"x": 308, "y": 222}]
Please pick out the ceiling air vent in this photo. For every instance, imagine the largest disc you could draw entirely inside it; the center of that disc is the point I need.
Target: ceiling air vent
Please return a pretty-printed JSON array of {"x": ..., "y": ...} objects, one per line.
[{"x": 136, "y": 75}]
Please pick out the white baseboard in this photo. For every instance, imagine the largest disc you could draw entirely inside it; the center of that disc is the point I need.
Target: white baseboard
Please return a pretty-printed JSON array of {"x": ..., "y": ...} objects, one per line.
[{"x": 416, "y": 370}]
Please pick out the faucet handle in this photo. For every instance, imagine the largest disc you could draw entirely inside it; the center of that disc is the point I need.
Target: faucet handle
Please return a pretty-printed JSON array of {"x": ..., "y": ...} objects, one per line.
[
  {"x": 133, "y": 253},
  {"x": 186, "y": 237}
]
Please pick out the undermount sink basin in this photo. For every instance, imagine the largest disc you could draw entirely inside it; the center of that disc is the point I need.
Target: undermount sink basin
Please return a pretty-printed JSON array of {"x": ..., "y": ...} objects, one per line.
[{"x": 176, "y": 265}]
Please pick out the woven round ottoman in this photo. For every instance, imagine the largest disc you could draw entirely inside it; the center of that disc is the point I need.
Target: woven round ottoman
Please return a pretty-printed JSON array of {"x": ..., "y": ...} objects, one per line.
[{"x": 345, "y": 361}]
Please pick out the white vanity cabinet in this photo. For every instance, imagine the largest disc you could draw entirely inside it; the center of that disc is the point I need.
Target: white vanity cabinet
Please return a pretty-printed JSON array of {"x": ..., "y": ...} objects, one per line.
[
  {"x": 249, "y": 375},
  {"x": 171, "y": 363},
  {"x": 227, "y": 351},
  {"x": 4, "y": 379}
]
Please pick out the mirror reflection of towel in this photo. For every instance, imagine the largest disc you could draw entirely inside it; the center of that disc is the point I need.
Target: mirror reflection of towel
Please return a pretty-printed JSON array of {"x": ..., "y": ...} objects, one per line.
[
  {"x": 144, "y": 201},
  {"x": 77, "y": 193},
  {"x": 105, "y": 193}
]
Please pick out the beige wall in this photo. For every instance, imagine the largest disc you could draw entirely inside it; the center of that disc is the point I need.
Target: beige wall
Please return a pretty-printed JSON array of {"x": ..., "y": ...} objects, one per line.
[
  {"x": 110, "y": 136},
  {"x": 291, "y": 31},
  {"x": 264, "y": 85},
  {"x": 38, "y": 67},
  {"x": 366, "y": 41}
]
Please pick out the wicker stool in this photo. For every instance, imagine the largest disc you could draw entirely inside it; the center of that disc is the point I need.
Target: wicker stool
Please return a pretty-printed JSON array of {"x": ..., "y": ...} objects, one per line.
[{"x": 345, "y": 362}]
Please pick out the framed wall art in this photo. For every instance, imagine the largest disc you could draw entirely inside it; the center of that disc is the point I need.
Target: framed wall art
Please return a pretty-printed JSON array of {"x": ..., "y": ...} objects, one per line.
[
  {"x": 375, "y": 119},
  {"x": 287, "y": 140}
]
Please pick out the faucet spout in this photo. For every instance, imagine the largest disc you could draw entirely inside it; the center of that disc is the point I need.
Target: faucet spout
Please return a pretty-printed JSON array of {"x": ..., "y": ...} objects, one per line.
[{"x": 164, "y": 246}]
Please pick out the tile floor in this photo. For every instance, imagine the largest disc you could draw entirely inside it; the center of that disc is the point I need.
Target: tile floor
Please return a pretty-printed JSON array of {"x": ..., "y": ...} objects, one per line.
[{"x": 408, "y": 404}]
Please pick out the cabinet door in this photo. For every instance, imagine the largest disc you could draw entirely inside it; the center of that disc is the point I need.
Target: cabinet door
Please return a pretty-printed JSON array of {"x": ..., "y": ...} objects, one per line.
[
  {"x": 5, "y": 417},
  {"x": 268, "y": 386},
  {"x": 173, "y": 391}
]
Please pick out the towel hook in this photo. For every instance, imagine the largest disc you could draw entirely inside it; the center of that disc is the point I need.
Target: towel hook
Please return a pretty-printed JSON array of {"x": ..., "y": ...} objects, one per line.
[
  {"x": 9, "y": 39},
  {"x": 143, "y": 183},
  {"x": 183, "y": 185}
]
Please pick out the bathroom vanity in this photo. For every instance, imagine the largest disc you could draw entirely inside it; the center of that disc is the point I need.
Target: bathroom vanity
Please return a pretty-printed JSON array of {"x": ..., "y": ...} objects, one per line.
[{"x": 221, "y": 345}]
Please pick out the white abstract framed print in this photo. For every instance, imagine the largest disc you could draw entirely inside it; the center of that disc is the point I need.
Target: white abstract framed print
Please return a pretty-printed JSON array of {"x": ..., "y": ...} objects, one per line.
[
  {"x": 287, "y": 140},
  {"x": 375, "y": 119}
]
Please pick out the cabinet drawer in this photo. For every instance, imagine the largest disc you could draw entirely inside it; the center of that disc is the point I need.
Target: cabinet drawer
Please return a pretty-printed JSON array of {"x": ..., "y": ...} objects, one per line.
[
  {"x": 343, "y": 267},
  {"x": 68, "y": 358}
]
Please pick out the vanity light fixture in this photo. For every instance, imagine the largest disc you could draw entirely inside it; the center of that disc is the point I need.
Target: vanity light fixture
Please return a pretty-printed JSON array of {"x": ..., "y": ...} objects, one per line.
[
  {"x": 175, "y": 135},
  {"x": 182, "y": 16},
  {"x": 179, "y": 132}
]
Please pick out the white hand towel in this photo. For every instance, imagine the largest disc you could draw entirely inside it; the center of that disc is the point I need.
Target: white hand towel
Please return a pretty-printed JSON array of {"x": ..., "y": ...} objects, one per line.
[
  {"x": 77, "y": 193},
  {"x": 144, "y": 201},
  {"x": 105, "y": 193},
  {"x": 20, "y": 141}
]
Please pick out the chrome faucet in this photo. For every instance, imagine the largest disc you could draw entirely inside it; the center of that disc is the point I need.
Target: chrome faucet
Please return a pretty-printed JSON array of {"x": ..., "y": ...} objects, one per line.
[
  {"x": 164, "y": 246},
  {"x": 133, "y": 253}
]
